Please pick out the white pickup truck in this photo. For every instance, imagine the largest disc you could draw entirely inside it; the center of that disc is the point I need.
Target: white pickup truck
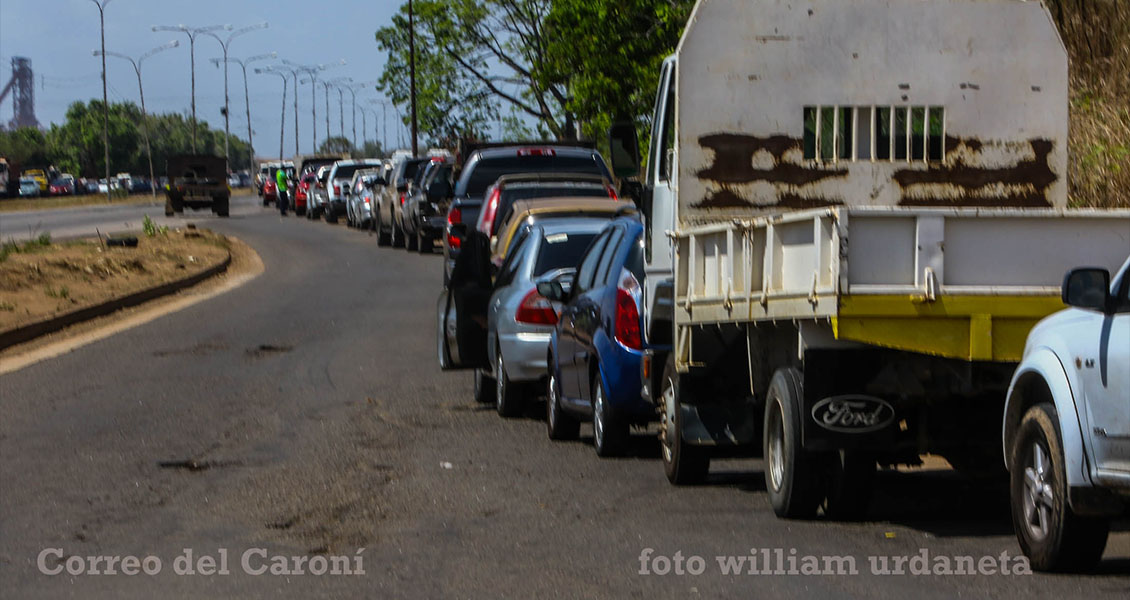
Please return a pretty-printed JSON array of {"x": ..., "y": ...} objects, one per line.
[{"x": 856, "y": 212}]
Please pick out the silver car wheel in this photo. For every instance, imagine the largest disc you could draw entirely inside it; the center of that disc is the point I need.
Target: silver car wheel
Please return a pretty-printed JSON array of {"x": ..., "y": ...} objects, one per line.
[
  {"x": 1038, "y": 497},
  {"x": 500, "y": 382},
  {"x": 598, "y": 415}
]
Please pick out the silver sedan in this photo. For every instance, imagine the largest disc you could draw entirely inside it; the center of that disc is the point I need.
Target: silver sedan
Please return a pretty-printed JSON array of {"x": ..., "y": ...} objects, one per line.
[{"x": 519, "y": 320}]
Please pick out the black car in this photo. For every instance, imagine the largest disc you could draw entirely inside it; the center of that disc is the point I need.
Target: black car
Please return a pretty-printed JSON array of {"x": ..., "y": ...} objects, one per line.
[
  {"x": 484, "y": 166},
  {"x": 425, "y": 211}
]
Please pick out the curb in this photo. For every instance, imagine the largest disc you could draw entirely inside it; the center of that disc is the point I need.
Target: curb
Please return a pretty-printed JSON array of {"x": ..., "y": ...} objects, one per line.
[{"x": 30, "y": 331}]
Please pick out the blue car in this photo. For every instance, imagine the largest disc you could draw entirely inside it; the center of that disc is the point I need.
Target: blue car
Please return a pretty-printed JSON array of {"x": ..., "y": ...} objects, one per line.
[{"x": 596, "y": 347}]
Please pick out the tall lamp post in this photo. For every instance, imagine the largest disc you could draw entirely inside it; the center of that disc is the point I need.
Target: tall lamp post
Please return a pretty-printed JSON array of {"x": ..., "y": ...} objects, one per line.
[
  {"x": 247, "y": 99},
  {"x": 282, "y": 117},
  {"x": 294, "y": 71},
  {"x": 101, "y": 4},
  {"x": 338, "y": 84},
  {"x": 192, "y": 32},
  {"x": 141, "y": 92},
  {"x": 353, "y": 93},
  {"x": 224, "y": 44},
  {"x": 312, "y": 72},
  {"x": 384, "y": 122}
]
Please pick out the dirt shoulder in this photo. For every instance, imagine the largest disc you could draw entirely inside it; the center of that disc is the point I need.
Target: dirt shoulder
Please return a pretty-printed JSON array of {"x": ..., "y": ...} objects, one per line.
[{"x": 41, "y": 278}]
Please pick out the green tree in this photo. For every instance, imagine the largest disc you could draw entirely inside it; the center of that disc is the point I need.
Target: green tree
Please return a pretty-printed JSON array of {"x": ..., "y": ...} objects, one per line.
[
  {"x": 25, "y": 146},
  {"x": 472, "y": 57},
  {"x": 337, "y": 145},
  {"x": 608, "y": 53}
]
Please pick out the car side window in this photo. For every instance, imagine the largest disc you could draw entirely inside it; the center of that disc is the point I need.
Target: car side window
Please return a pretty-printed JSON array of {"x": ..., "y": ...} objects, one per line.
[
  {"x": 509, "y": 269},
  {"x": 609, "y": 256},
  {"x": 589, "y": 263}
]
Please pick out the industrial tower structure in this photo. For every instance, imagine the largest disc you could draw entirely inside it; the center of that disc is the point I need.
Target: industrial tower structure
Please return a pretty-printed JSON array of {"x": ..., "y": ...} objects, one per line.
[{"x": 22, "y": 89}]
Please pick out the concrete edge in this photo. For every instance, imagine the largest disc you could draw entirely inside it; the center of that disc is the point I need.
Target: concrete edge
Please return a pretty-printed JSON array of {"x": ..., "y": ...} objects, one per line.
[{"x": 30, "y": 331}]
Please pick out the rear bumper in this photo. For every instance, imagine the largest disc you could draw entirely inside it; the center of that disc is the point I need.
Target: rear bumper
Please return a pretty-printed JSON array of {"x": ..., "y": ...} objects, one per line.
[
  {"x": 524, "y": 353},
  {"x": 620, "y": 368}
]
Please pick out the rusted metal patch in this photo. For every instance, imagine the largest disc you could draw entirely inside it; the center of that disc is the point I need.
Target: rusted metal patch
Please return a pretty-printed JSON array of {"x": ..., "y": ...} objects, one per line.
[
  {"x": 733, "y": 166},
  {"x": 970, "y": 179}
]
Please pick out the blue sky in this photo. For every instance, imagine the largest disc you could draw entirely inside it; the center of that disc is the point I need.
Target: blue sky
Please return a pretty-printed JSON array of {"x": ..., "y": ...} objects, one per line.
[{"x": 58, "y": 36}]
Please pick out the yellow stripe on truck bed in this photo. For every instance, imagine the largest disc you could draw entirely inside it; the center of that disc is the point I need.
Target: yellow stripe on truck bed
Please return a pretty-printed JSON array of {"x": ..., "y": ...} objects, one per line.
[{"x": 980, "y": 328}]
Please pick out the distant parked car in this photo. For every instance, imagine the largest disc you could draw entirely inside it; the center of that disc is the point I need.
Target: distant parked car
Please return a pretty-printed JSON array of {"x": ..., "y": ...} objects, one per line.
[
  {"x": 1067, "y": 424},
  {"x": 341, "y": 173},
  {"x": 316, "y": 197},
  {"x": 390, "y": 231},
  {"x": 62, "y": 186},
  {"x": 40, "y": 177},
  {"x": 484, "y": 166},
  {"x": 140, "y": 186},
  {"x": 302, "y": 192},
  {"x": 596, "y": 348},
  {"x": 29, "y": 187},
  {"x": 359, "y": 198},
  {"x": 426, "y": 209}
]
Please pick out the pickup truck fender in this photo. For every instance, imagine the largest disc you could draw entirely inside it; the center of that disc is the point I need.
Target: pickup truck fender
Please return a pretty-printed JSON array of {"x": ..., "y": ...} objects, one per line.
[{"x": 1042, "y": 365}]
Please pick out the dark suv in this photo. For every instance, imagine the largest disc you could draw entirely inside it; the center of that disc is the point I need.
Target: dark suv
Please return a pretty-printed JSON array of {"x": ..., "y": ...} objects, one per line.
[{"x": 485, "y": 166}]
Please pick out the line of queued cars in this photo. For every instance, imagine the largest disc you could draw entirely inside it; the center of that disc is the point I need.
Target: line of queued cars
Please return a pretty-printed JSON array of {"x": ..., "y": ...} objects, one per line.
[{"x": 542, "y": 269}]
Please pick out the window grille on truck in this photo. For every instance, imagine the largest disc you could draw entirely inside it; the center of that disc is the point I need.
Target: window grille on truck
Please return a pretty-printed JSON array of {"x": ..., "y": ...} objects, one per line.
[{"x": 889, "y": 133}]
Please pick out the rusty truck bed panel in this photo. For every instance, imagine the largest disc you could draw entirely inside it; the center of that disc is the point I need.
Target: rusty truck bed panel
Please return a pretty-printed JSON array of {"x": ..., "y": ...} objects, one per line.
[{"x": 746, "y": 78}]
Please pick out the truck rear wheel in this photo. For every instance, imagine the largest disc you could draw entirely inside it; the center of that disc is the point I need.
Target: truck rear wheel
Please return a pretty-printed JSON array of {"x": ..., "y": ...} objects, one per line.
[
  {"x": 220, "y": 206},
  {"x": 683, "y": 463},
  {"x": 791, "y": 473},
  {"x": 1052, "y": 536}
]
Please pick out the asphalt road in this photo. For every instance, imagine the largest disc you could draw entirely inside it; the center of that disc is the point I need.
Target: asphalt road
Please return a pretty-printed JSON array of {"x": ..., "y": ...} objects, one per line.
[
  {"x": 80, "y": 221},
  {"x": 303, "y": 413}
]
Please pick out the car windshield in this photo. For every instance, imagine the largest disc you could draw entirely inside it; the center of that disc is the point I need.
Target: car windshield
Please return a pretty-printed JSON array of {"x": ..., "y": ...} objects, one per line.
[
  {"x": 561, "y": 250},
  {"x": 485, "y": 171}
]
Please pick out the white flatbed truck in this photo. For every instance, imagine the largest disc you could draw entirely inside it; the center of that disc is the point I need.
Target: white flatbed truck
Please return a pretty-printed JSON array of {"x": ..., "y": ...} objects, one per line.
[{"x": 856, "y": 211}]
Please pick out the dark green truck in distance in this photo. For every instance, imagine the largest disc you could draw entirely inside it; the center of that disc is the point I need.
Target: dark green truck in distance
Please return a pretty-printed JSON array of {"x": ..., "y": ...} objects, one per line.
[{"x": 197, "y": 181}]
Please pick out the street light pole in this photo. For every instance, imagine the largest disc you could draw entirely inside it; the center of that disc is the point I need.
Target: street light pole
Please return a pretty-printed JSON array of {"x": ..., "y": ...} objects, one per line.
[
  {"x": 141, "y": 93},
  {"x": 247, "y": 102},
  {"x": 282, "y": 117},
  {"x": 191, "y": 32},
  {"x": 101, "y": 4},
  {"x": 412, "y": 74},
  {"x": 224, "y": 45}
]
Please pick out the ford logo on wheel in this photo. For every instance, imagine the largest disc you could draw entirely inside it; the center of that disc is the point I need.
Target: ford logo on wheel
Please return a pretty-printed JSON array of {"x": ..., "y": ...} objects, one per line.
[{"x": 853, "y": 414}]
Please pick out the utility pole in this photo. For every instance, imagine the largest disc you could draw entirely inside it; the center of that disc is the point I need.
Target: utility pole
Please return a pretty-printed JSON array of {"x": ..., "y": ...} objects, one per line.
[
  {"x": 105, "y": 99},
  {"x": 412, "y": 75},
  {"x": 192, "y": 32},
  {"x": 227, "y": 110},
  {"x": 141, "y": 92}
]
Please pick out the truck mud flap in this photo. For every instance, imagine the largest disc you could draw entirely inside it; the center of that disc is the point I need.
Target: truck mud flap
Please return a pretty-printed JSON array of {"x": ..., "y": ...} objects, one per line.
[{"x": 729, "y": 424}]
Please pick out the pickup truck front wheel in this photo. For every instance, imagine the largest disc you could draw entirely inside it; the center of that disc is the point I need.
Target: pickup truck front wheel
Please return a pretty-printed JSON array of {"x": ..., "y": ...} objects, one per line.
[
  {"x": 791, "y": 473},
  {"x": 1051, "y": 535},
  {"x": 683, "y": 463}
]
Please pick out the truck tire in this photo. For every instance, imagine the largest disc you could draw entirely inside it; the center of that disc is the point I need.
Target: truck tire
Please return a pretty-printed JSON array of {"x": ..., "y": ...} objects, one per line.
[
  {"x": 851, "y": 479},
  {"x": 423, "y": 243},
  {"x": 507, "y": 396},
  {"x": 683, "y": 463},
  {"x": 169, "y": 210},
  {"x": 610, "y": 435},
  {"x": 1052, "y": 536},
  {"x": 558, "y": 424},
  {"x": 413, "y": 242},
  {"x": 220, "y": 206},
  {"x": 791, "y": 473}
]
